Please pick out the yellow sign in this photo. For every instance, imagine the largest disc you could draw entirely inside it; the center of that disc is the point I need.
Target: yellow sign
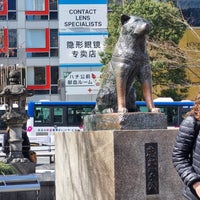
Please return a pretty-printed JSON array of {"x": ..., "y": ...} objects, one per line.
[{"x": 190, "y": 43}]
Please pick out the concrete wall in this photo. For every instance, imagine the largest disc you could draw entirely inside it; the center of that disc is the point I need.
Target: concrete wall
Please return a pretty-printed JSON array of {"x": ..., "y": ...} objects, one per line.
[{"x": 116, "y": 165}]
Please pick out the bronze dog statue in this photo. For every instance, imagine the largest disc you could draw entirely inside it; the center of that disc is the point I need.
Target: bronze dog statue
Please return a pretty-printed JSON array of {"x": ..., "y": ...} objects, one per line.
[{"x": 130, "y": 61}]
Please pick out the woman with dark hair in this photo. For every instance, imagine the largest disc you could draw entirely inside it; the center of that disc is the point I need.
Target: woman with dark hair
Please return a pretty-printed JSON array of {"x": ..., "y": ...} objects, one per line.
[{"x": 186, "y": 152}]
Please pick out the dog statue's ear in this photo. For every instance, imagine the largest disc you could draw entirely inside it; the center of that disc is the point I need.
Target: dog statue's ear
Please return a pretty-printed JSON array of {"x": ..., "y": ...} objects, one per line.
[{"x": 124, "y": 19}]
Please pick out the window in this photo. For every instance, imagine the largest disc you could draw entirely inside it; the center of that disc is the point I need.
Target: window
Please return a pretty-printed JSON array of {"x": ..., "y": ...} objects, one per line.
[
  {"x": 8, "y": 10},
  {"x": 12, "y": 10},
  {"x": 36, "y": 17},
  {"x": 75, "y": 115},
  {"x": 1, "y": 5},
  {"x": 53, "y": 5},
  {"x": 29, "y": 55},
  {"x": 42, "y": 43},
  {"x": 48, "y": 115},
  {"x": 3, "y": 125},
  {"x": 8, "y": 43},
  {"x": 54, "y": 79},
  {"x": 45, "y": 79},
  {"x": 41, "y": 9},
  {"x": 39, "y": 75},
  {"x": 61, "y": 115},
  {"x": 12, "y": 43},
  {"x": 54, "y": 42},
  {"x": 190, "y": 11},
  {"x": 54, "y": 74},
  {"x": 58, "y": 115},
  {"x": 1, "y": 38},
  {"x": 41, "y": 115},
  {"x": 35, "y": 5},
  {"x": 37, "y": 40},
  {"x": 39, "y": 79},
  {"x": 53, "y": 11}
]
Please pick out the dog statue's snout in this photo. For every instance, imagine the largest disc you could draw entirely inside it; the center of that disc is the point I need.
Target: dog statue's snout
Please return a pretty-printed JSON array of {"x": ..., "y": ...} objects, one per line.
[{"x": 143, "y": 28}]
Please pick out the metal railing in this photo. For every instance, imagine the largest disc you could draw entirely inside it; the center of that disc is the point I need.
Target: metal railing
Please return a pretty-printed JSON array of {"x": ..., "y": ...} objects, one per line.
[{"x": 16, "y": 183}]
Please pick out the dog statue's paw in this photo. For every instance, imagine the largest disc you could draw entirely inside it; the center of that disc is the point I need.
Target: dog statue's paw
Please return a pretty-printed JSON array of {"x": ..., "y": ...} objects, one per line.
[
  {"x": 155, "y": 110},
  {"x": 107, "y": 110},
  {"x": 122, "y": 110}
]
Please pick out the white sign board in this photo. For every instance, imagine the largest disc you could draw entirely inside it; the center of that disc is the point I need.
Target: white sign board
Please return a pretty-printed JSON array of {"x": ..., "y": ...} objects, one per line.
[
  {"x": 76, "y": 16},
  {"x": 81, "y": 48},
  {"x": 82, "y": 82}
]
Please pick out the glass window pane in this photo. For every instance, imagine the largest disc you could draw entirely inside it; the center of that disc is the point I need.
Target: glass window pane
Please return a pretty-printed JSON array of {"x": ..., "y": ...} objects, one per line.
[
  {"x": 1, "y": 5},
  {"x": 41, "y": 92},
  {"x": 29, "y": 55},
  {"x": 54, "y": 52},
  {"x": 54, "y": 37},
  {"x": 46, "y": 115},
  {"x": 39, "y": 75},
  {"x": 36, "y": 17},
  {"x": 70, "y": 116},
  {"x": 3, "y": 125},
  {"x": 53, "y": 4},
  {"x": 58, "y": 115},
  {"x": 38, "y": 115},
  {"x": 42, "y": 115},
  {"x": 12, "y": 34},
  {"x": 12, "y": 53},
  {"x": 1, "y": 38},
  {"x": 35, "y": 39},
  {"x": 35, "y": 5},
  {"x": 11, "y": 4},
  {"x": 12, "y": 16},
  {"x": 53, "y": 15},
  {"x": 2, "y": 17},
  {"x": 54, "y": 74},
  {"x": 191, "y": 11},
  {"x": 54, "y": 89}
]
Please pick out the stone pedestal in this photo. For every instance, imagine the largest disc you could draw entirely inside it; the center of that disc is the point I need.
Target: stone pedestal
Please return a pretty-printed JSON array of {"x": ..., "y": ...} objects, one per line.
[
  {"x": 24, "y": 167},
  {"x": 116, "y": 165},
  {"x": 125, "y": 121},
  {"x": 15, "y": 142}
]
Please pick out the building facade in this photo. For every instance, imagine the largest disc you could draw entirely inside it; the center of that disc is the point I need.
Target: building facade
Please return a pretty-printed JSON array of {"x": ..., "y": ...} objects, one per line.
[
  {"x": 50, "y": 50},
  {"x": 29, "y": 42},
  {"x": 56, "y": 44}
]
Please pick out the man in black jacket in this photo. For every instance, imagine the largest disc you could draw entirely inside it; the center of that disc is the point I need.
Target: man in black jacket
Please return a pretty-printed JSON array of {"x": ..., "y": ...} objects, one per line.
[{"x": 186, "y": 152}]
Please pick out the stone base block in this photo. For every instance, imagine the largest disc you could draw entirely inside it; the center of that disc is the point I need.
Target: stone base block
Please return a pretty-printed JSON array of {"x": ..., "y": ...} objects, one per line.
[
  {"x": 24, "y": 167},
  {"x": 116, "y": 165},
  {"x": 125, "y": 121}
]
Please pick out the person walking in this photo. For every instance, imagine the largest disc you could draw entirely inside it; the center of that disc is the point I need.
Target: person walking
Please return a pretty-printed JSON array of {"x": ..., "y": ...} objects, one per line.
[{"x": 186, "y": 152}]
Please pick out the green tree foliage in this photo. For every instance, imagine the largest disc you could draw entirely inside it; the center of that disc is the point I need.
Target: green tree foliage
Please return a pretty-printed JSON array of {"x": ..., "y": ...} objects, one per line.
[{"x": 167, "y": 60}]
